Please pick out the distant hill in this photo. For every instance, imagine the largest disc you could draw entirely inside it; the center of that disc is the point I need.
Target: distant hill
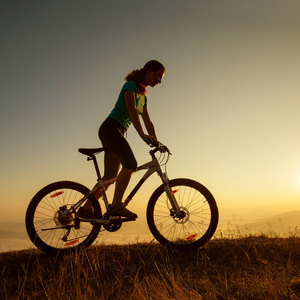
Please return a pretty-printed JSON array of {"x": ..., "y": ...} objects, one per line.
[
  {"x": 12, "y": 230},
  {"x": 13, "y": 236},
  {"x": 281, "y": 224}
]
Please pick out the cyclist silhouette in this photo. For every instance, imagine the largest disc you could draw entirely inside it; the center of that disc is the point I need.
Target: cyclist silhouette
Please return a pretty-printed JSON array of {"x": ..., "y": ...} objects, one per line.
[{"x": 131, "y": 103}]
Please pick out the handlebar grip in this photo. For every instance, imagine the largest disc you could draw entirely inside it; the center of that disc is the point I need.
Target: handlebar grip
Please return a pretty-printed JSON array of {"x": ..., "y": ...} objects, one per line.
[
  {"x": 153, "y": 144},
  {"x": 159, "y": 147}
]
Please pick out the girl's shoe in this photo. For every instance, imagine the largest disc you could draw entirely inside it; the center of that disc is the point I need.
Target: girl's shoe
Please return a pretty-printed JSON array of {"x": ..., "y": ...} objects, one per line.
[{"x": 120, "y": 210}]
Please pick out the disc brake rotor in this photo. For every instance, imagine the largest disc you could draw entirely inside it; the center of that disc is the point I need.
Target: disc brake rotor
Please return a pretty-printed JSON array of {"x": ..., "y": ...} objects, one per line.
[
  {"x": 63, "y": 220},
  {"x": 184, "y": 215}
]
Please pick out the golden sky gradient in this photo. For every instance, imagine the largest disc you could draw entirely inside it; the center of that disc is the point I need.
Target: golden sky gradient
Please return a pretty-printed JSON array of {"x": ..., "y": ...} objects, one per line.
[{"x": 228, "y": 106}]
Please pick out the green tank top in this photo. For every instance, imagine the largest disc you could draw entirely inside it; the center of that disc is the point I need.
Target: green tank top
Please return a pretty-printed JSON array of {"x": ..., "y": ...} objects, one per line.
[{"x": 120, "y": 112}]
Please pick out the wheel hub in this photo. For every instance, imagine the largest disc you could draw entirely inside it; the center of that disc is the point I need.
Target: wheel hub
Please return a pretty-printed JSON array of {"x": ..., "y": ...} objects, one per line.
[
  {"x": 60, "y": 219},
  {"x": 183, "y": 217}
]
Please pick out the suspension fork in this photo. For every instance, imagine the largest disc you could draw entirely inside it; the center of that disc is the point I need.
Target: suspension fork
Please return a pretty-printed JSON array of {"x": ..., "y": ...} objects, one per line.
[{"x": 170, "y": 193}]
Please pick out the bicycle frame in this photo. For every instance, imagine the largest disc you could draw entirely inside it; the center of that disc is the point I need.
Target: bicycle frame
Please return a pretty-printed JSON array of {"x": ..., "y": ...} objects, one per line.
[{"x": 151, "y": 167}]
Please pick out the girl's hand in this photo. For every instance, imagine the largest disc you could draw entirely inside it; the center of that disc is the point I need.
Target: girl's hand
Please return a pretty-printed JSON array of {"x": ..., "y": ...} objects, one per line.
[{"x": 150, "y": 140}]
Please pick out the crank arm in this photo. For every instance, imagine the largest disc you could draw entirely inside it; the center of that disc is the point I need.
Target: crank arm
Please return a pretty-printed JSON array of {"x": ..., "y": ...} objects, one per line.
[
  {"x": 106, "y": 222},
  {"x": 124, "y": 220},
  {"x": 96, "y": 221}
]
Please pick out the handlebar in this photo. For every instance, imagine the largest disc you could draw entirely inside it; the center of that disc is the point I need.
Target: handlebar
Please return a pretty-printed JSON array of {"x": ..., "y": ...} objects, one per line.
[{"x": 159, "y": 147}]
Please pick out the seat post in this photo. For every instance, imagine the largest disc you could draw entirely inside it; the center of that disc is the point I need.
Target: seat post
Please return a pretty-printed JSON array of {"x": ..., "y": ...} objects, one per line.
[{"x": 93, "y": 157}]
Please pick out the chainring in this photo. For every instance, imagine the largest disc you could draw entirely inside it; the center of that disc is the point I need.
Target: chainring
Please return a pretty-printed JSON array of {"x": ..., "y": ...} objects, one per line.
[{"x": 114, "y": 226}]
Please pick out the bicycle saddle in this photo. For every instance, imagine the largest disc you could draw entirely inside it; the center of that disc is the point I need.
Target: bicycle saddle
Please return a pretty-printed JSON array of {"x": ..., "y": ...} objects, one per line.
[{"x": 90, "y": 151}]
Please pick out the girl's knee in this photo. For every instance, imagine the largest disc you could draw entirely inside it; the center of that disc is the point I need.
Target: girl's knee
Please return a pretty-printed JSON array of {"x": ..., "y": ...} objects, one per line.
[{"x": 132, "y": 165}]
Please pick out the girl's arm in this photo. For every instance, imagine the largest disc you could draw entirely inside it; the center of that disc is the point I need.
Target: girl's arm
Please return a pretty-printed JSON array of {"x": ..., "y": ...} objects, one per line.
[
  {"x": 134, "y": 116},
  {"x": 148, "y": 123}
]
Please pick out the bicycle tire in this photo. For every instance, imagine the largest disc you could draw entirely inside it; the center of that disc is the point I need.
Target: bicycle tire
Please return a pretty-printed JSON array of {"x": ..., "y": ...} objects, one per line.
[
  {"x": 200, "y": 219},
  {"x": 44, "y": 227}
]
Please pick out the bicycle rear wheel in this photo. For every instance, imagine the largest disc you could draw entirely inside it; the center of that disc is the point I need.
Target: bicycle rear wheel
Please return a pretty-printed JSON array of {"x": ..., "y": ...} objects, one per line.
[
  {"x": 199, "y": 215},
  {"x": 49, "y": 230}
]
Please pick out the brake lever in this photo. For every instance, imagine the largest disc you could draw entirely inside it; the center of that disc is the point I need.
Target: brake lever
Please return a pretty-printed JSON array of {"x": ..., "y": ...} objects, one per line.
[
  {"x": 163, "y": 149},
  {"x": 166, "y": 149}
]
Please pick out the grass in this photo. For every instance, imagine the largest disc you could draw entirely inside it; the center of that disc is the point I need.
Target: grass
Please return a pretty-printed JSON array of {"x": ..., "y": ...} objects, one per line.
[{"x": 252, "y": 267}]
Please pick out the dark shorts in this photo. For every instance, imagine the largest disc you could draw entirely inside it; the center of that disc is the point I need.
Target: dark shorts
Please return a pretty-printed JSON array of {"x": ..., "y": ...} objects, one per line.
[{"x": 111, "y": 134}]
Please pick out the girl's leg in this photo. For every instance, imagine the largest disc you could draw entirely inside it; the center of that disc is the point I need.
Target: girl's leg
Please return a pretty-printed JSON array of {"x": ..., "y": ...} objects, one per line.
[
  {"x": 111, "y": 134},
  {"x": 117, "y": 208},
  {"x": 121, "y": 185},
  {"x": 111, "y": 168}
]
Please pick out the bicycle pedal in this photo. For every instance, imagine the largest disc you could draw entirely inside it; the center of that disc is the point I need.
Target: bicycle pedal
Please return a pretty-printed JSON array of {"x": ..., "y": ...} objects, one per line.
[
  {"x": 114, "y": 218},
  {"x": 128, "y": 219}
]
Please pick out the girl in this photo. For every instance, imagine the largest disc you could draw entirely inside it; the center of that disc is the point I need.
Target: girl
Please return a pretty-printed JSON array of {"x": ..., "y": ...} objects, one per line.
[{"x": 131, "y": 103}]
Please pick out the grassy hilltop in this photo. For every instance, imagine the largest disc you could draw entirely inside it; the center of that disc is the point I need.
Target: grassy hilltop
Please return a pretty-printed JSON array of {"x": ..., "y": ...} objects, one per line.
[{"x": 245, "y": 268}]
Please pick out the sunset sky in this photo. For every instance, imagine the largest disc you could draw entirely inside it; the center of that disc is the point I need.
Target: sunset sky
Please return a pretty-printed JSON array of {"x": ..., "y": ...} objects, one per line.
[{"x": 228, "y": 106}]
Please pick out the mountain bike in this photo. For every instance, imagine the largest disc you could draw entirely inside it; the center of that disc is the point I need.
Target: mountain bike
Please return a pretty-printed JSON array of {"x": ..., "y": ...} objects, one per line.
[{"x": 181, "y": 213}]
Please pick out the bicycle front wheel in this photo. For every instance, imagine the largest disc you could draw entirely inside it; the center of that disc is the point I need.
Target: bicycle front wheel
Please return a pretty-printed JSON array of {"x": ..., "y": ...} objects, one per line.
[
  {"x": 198, "y": 217},
  {"x": 53, "y": 232}
]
